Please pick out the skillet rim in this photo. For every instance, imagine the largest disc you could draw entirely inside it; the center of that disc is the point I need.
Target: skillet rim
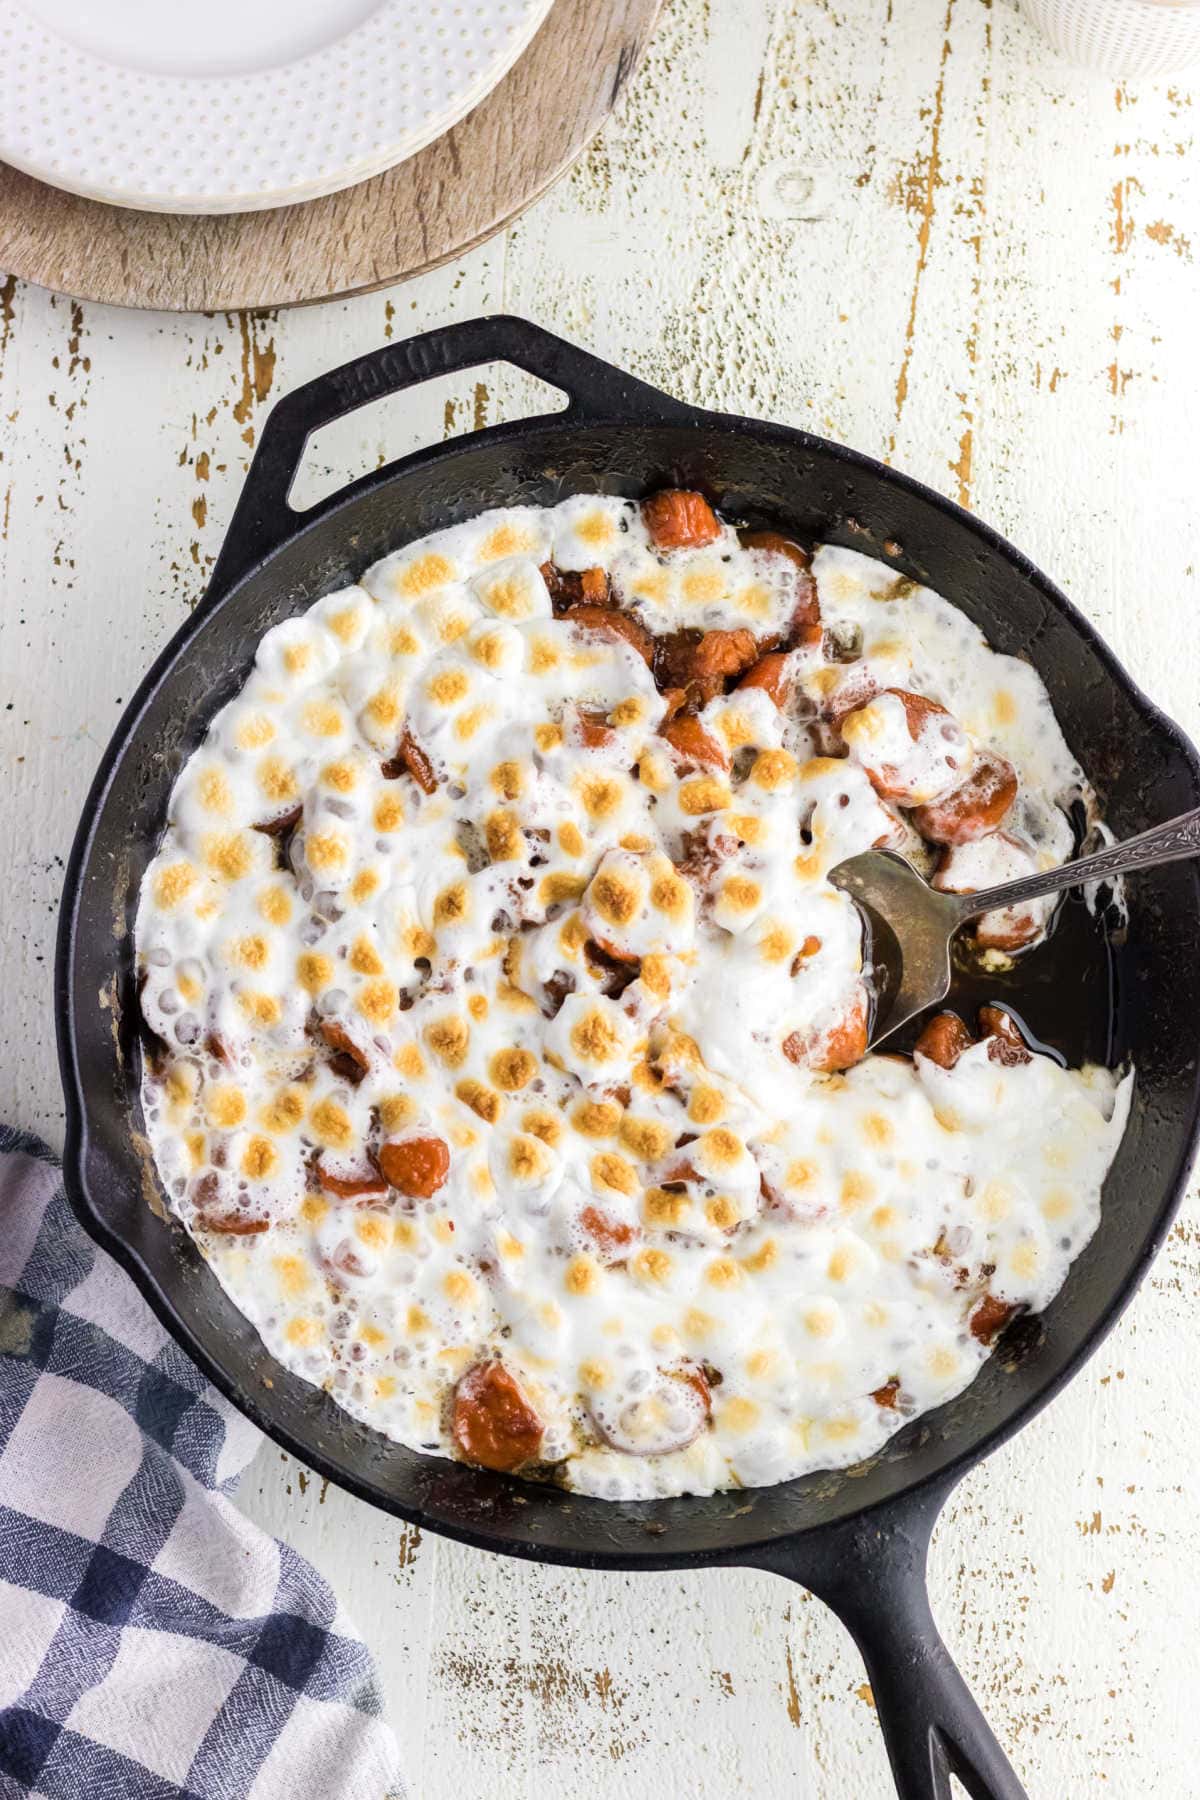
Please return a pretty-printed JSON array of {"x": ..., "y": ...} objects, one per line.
[{"x": 932, "y": 1486}]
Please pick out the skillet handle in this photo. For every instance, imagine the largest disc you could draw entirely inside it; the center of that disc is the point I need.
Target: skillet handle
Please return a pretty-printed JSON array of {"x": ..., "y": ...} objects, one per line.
[
  {"x": 595, "y": 390},
  {"x": 872, "y": 1574}
]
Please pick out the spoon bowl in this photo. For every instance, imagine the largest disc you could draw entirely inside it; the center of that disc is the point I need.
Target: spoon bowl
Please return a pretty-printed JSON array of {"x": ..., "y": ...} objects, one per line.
[{"x": 911, "y": 925}]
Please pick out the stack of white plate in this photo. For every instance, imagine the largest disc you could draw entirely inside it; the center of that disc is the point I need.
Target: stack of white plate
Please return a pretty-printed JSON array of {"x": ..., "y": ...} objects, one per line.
[
  {"x": 236, "y": 105},
  {"x": 1131, "y": 39}
]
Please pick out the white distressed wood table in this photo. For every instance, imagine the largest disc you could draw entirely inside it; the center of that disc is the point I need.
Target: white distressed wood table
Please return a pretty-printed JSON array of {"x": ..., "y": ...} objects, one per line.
[{"x": 906, "y": 226}]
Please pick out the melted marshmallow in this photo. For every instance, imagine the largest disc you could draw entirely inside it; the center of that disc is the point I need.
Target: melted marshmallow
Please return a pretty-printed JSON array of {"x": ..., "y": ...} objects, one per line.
[{"x": 812, "y": 1239}]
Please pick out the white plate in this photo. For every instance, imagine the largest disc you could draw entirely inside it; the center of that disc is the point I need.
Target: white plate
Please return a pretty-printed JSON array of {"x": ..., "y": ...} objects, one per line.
[{"x": 233, "y": 105}]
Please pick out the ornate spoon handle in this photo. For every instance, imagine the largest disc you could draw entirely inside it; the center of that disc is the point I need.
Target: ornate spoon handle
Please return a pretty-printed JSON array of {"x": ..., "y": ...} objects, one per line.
[{"x": 1172, "y": 842}]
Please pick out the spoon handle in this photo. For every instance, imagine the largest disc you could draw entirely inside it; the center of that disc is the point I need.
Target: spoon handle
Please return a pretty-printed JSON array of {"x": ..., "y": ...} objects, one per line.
[{"x": 1172, "y": 842}]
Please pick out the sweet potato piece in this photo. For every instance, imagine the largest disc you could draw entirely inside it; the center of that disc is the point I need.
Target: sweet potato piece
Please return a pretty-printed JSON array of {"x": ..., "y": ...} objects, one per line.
[
  {"x": 918, "y": 710},
  {"x": 724, "y": 653},
  {"x": 673, "y": 655},
  {"x": 943, "y": 1040},
  {"x": 231, "y": 1223},
  {"x": 281, "y": 824},
  {"x": 612, "y": 622},
  {"x": 808, "y": 948},
  {"x": 370, "y": 1186},
  {"x": 348, "y": 1059},
  {"x": 805, "y": 625},
  {"x": 689, "y": 739},
  {"x": 593, "y": 729},
  {"x": 411, "y": 758},
  {"x": 494, "y": 1424},
  {"x": 1007, "y": 930},
  {"x": 776, "y": 544},
  {"x": 217, "y": 1046},
  {"x": 612, "y": 1237},
  {"x": 771, "y": 673},
  {"x": 570, "y": 587},
  {"x": 1004, "y": 1040},
  {"x": 679, "y": 519},
  {"x": 416, "y": 1166},
  {"x": 641, "y": 1429},
  {"x": 700, "y": 663},
  {"x": 990, "y": 1317},
  {"x": 1004, "y": 858},
  {"x": 703, "y": 855},
  {"x": 921, "y": 715},
  {"x": 843, "y": 1045},
  {"x": 856, "y": 689},
  {"x": 972, "y": 809},
  {"x": 614, "y": 969}
]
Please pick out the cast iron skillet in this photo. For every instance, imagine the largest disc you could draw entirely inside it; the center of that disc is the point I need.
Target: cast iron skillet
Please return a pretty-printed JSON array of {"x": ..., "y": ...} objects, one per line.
[{"x": 857, "y": 1538}]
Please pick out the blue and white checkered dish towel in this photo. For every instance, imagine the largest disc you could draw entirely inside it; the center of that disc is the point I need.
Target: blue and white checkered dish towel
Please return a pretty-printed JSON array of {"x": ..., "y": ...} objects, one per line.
[{"x": 154, "y": 1645}]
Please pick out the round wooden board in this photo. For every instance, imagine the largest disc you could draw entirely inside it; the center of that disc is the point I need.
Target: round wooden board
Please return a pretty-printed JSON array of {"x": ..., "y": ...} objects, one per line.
[{"x": 441, "y": 202}]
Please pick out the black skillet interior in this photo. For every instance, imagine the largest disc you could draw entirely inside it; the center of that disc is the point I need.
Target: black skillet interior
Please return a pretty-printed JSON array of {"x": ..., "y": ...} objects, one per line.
[{"x": 622, "y": 437}]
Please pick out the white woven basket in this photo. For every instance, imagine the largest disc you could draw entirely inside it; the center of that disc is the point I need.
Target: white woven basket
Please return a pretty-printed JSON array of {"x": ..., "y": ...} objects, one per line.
[{"x": 1132, "y": 38}]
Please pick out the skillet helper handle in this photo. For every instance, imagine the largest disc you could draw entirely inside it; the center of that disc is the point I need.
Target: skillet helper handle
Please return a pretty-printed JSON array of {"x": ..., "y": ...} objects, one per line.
[
  {"x": 872, "y": 1574},
  {"x": 594, "y": 389}
]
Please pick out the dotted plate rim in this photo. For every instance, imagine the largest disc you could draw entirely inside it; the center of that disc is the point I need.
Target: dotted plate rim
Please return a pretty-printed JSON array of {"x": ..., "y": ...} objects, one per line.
[{"x": 105, "y": 136}]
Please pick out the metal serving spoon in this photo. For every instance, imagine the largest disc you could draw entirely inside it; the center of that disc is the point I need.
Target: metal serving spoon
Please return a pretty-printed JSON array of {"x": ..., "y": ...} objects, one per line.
[{"x": 912, "y": 924}]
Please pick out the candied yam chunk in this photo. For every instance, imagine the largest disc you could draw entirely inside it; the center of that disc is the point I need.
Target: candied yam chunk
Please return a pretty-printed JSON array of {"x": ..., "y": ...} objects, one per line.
[
  {"x": 590, "y": 727},
  {"x": 560, "y": 585},
  {"x": 839, "y": 1046},
  {"x": 1005, "y": 1041},
  {"x": 673, "y": 660},
  {"x": 943, "y": 1040},
  {"x": 494, "y": 1424},
  {"x": 679, "y": 519},
  {"x": 972, "y": 809},
  {"x": 720, "y": 654},
  {"x": 281, "y": 824},
  {"x": 775, "y": 544},
  {"x": 219, "y": 1047},
  {"x": 231, "y": 1223},
  {"x": 1008, "y": 930},
  {"x": 805, "y": 625},
  {"x": 772, "y": 673},
  {"x": 571, "y": 587},
  {"x": 990, "y": 1317},
  {"x": 856, "y": 689},
  {"x": 914, "y": 763},
  {"x": 699, "y": 663},
  {"x": 612, "y": 623},
  {"x": 987, "y": 862},
  {"x": 688, "y": 738},
  {"x": 370, "y": 1185},
  {"x": 412, "y": 759},
  {"x": 349, "y": 1060},
  {"x": 674, "y": 657},
  {"x": 667, "y": 1416},
  {"x": 416, "y": 1166}
]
